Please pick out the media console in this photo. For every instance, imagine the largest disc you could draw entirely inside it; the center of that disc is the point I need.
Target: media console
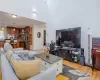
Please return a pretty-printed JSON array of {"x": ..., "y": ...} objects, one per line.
[
  {"x": 71, "y": 54},
  {"x": 69, "y": 43}
]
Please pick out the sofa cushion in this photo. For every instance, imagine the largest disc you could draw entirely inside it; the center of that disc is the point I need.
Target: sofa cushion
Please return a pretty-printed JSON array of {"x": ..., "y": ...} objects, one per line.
[
  {"x": 32, "y": 53},
  {"x": 26, "y": 69},
  {"x": 49, "y": 74},
  {"x": 7, "y": 46},
  {"x": 2, "y": 50},
  {"x": 7, "y": 71},
  {"x": 23, "y": 54},
  {"x": 8, "y": 54},
  {"x": 15, "y": 57}
]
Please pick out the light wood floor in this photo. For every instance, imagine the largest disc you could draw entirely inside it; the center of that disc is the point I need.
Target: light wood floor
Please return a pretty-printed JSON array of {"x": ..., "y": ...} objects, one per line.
[{"x": 95, "y": 74}]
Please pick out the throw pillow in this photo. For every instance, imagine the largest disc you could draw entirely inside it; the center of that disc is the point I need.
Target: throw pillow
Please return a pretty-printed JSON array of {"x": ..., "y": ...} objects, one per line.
[
  {"x": 26, "y": 69},
  {"x": 15, "y": 57}
]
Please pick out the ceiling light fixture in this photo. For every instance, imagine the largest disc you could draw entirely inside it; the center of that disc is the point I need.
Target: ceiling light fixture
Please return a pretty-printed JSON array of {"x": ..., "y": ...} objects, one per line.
[
  {"x": 2, "y": 28},
  {"x": 14, "y": 16},
  {"x": 34, "y": 11},
  {"x": 14, "y": 29}
]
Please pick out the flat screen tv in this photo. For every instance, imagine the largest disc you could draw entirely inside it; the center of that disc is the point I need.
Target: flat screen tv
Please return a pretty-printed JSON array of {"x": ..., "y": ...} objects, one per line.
[{"x": 70, "y": 36}]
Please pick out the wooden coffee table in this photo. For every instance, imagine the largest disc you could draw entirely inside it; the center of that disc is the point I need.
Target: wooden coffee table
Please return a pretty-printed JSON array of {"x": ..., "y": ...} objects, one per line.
[{"x": 52, "y": 60}]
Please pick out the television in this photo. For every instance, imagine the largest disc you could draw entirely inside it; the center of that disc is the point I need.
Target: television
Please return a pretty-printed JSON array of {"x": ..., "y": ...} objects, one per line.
[{"x": 69, "y": 37}]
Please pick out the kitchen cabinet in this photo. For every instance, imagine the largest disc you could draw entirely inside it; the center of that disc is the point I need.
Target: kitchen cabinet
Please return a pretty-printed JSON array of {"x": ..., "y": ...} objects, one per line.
[
  {"x": 16, "y": 32},
  {"x": 8, "y": 30},
  {"x": 29, "y": 31},
  {"x": 15, "y": 43},
  {"x": 1, "y": 44},
  {"x": 13, "y": 30}
]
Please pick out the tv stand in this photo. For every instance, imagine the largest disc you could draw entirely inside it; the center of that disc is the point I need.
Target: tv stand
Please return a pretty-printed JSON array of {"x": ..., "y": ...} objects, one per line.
[{"x": 70, "y": 54}]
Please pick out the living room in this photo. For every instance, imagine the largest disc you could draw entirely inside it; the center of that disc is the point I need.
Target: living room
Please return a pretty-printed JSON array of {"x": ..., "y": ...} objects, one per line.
[{"x": 59, "y": 15}]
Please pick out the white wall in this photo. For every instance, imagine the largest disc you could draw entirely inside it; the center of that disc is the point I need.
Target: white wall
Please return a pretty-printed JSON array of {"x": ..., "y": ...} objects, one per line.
[
  {"x": 24, "y": 8},
  {"x": 76, "y": 13},
  {"x": 38, "y": 42}
]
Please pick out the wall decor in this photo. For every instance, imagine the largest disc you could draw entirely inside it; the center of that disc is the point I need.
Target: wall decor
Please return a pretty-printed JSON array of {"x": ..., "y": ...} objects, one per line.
[{"x": 38, "y": 34}]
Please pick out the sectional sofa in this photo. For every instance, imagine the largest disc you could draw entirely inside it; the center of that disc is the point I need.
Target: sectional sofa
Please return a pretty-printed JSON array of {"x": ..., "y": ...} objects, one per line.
[{"x": 9, "y": 74}]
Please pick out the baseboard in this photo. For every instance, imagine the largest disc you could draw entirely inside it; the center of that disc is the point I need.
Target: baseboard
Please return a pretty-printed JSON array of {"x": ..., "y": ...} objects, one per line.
[{"x": 89, "y": 65}]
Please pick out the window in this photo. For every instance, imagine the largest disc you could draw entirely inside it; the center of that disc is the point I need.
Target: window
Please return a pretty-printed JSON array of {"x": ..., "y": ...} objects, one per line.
[{"x": 1, "y": 34}]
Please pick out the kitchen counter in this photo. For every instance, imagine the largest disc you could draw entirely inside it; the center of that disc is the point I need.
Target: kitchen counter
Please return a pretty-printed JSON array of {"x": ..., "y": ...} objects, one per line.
[
  {"x": 16, "y": 43},
  {"x": 11, "y": 39},
  {"x": 21, "y": 41}
]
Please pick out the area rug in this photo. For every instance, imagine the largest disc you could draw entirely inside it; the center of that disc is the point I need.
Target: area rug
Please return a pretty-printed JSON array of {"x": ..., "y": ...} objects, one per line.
[{"x": 74, "y": 74}]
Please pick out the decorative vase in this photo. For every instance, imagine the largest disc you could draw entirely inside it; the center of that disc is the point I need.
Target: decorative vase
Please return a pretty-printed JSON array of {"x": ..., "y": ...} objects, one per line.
[{"x": 47, "y": 52}]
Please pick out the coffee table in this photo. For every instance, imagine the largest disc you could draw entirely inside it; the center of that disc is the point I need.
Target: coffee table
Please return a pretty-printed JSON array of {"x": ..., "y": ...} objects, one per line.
[{"x": 52, "y": 60}]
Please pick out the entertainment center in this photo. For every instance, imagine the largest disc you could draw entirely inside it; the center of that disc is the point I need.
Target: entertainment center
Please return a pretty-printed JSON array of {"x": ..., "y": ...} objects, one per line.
[{"x": 68, "y": 43}]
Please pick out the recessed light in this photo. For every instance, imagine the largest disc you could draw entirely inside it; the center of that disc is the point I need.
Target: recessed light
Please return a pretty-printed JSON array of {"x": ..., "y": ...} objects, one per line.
[
  {"x": 2, "y": 28},
  {"x": 14, "y": 16},
  {"x": 34, "y": 12},
  {"x": 14, "y": 29}
]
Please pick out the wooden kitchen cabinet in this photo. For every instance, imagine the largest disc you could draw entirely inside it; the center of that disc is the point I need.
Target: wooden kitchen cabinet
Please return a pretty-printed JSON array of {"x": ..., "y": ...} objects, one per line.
[
  {"x": 28, "y": 30},
  {"x": 16, "y": 32},
  {"x": 30, "y": 39},
  {"x": 8, "y": 30},
  {"x": 1, "y": 44},
  {"x": 13, "y": 30}
]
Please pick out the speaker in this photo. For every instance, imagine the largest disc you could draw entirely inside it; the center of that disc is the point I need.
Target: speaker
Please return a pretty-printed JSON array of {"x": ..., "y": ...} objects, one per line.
[{"x": 82, "y": 51}]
